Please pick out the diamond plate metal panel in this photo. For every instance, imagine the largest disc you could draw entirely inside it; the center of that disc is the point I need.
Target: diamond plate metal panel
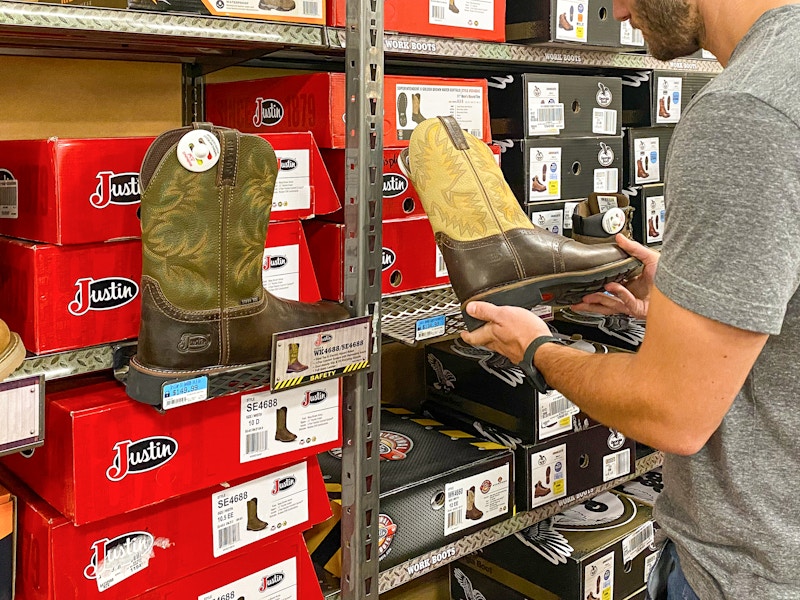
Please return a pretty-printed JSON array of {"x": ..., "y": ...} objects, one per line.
[
  {"x": 399, "y": 314},
  {"x": 66, "y": 364}
]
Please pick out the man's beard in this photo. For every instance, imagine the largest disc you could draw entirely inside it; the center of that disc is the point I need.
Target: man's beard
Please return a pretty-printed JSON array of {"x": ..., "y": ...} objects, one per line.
[{"x": 672, "y": 28}]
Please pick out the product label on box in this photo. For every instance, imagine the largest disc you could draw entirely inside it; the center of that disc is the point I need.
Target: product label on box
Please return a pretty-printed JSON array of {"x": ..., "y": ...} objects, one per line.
[
  {"x": 280, "y": 272},
  {"x": 273, "y": 424},
  {"x": 569, "y": 208},
  {"x": 114, "y": 560},
  {"x": 668, "y": 92},
  {"x": 185, "y": 392},
  {"x": 637, "y": 542},
  {"x": 606, "y": 203},
  {"x": 598, "y": 578},
  {"x": 647, "y": 160},
  {"x": 572, "y": 20},
  {"x": 9, "y": 195},
  {"x": 552, "y": 220},
  {"x": 606, "y": 181},
  {"x": 441, "y": 267},
  {"x": 293, "y": 185},
  {"x": 278, "y": 582},
  {"x": 655, "y": 211},
  {"x": 545, "y": 174},
  {"x": 260, "y": 508},
  {"x": 265, "y": 9},
  {"x": 473, "y": 14},
  {"x": 549, "y": 475},
  {"x": 431, "y": 327},
  {"x": 629, "y": 35},
  {"x": 545, "y": 112},
  {"x": 604, "y": 121},
  {"x": 19, "y": 412},
  {"x": 415, "y": 103},
  {"x": 617, "y": 464},
  {"x": 650, "y": 562},
  {"x": 476, "y": 499},
  {"x": 555, "y": 414}
]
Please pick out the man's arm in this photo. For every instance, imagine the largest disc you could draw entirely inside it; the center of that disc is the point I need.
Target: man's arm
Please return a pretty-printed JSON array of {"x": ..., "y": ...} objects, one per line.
[{"x": 671, "y": 395}]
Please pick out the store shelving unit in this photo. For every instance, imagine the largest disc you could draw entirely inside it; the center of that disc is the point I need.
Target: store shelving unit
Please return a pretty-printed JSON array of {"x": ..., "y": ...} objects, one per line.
[{"x": 205, "y": 44}]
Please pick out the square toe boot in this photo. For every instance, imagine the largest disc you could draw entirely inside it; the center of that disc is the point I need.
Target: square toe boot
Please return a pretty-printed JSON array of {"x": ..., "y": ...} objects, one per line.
[
  {"x": 204, "y": 307},
  {"x": 12, "y": 351},
  {"x": 492, "y": 250}
]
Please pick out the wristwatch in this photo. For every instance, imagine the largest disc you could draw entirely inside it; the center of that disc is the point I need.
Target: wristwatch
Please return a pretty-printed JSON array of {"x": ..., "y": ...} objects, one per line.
[{"x": 535, "y": 376}]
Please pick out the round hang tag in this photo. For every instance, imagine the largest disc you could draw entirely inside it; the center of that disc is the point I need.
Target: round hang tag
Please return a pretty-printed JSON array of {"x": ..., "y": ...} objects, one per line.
[
  {"x": 198, "y": 150},
  {"x": 613, "y": 221}
]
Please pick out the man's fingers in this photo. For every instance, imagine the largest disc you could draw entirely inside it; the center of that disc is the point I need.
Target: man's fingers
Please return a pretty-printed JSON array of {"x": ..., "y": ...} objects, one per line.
[
  {"x": 481, "y": 310},
  {"x": 480, "y": 337},
  {"x": 635, "y": 249}
]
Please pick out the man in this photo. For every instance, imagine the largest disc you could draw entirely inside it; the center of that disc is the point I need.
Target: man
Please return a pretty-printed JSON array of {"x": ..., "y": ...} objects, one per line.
[{"x": 715, "y": 384}]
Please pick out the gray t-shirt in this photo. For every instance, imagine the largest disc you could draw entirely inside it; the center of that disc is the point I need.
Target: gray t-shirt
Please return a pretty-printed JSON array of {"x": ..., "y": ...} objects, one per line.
[{"x": 732, "y": 253}]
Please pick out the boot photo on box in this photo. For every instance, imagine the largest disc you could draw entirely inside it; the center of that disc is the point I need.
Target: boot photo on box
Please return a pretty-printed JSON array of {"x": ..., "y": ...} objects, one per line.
[
  {"x": 402, "y": 106},
  {"x": 453, "y": 8},
  {"x": 12, "y": 351},
  {"x": 491, "y": 249},
  {"x": 253, "y": 522},
  {"x": 540, "y": 491},
  {"x": 473, "y": 514},
  {"x": 282, "y": 434},
  {"x": 563, "y": 22},
  {"x": 416, "y": 115},
  {"x": 294, "y": 365},
  {"x": 204, "y": 229},
  {"x": 591, "y": 225},
  {"x": 281, "y": 5}
]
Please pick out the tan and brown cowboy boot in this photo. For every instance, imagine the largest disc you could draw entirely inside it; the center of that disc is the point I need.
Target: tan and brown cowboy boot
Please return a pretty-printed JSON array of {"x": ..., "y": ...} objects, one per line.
[
  {"x": 204, "y": 307},
  {"x": 492, "y": 250},
  {"x": 12, "y": 351}
]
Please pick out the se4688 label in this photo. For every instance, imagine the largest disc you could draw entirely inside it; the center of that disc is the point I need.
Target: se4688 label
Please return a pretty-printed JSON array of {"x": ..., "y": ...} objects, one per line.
[
  {"x": 223, "y": 502},
  {"x": 261, "y": 405}
]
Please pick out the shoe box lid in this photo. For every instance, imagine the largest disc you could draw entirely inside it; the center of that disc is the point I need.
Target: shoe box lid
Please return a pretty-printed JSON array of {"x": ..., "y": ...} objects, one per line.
[
  {"x": 427, "y": 472},
  {"x": 606, "y": 539},
  {"x": 547, "y": 104},
  {"x": 137, "y": 552},
  {"x": 484, "y": 21},
  {"x": 316, "y": 103},
  {"x": 107, "y": 454},
  {"x": 645, "y": 488}
]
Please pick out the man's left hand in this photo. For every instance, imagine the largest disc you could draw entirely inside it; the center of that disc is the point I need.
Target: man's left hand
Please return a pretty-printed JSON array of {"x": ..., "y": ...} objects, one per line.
[{"x": 509, "y": 330}]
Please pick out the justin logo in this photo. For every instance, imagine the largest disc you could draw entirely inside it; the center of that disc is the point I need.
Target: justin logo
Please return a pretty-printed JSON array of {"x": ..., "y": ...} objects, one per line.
[
  {"x": 274, "y": 262},
  {"x": 281, "y": 485},
  {"x": 270, "y": 581},
  {"x": 388, "y": 257},
  {"x": 314, "y": 397},
  {"x": 140, "y": 456},
  {"x": 288, "y": 164},
  {"x": 122, "y": 553},
  {"x": 116, "y": 188},
  {"x": 394, "y": 185},
  {"x": 102, "y": 294},
  {"x": 269, "y": 112}
]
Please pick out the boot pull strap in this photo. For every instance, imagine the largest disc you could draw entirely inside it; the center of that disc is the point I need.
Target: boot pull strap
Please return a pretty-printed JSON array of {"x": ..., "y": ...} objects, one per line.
[
  {"x": 455, "y": 132},
  {"x": 229, "y": 156},
  {"x": 203, "y": 125}
]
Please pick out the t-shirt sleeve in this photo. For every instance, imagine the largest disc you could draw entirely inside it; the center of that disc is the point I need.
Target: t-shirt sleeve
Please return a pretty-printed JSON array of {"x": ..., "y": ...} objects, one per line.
[{"x": 731, "y": 247}]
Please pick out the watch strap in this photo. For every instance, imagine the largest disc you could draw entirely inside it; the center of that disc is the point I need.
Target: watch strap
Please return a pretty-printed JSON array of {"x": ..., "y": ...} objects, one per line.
[{"x": 527, "y": 366}]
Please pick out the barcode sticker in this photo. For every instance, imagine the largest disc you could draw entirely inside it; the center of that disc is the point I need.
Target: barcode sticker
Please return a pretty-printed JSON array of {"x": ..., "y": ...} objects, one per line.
[
  {"x": 9, "y": 198},
  {"x": 437, "y": 13},
  {"x": 311, "y": 8},
  {"x": 555, "y": 414},
  {"x": 637, "y": 542},
  {"x": 228, "y": 536},
  {"x": 604, "y": 121},
  {"x": 617, "y": 464},
  {"x": 629, "y": 35},
  {"x": 550, "y": 116},
  {"x": 477, "y": 499},
  {"x": 606, "y": 181},
  {"x": 441, "y": 267},
  {"x": 649, "y": 563},
  {"x": 256, "y": 442}
]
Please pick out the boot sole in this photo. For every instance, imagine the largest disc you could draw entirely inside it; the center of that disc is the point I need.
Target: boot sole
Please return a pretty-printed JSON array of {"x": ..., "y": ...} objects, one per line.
[
  {"x": 556, "y": 289},
  {"x": 11, "y": 358},
  {"x": 402, "y": 105}
]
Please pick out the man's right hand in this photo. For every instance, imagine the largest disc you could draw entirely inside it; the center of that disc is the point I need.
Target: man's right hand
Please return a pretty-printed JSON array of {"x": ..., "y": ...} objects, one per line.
[{"x": 631, "y": 298}]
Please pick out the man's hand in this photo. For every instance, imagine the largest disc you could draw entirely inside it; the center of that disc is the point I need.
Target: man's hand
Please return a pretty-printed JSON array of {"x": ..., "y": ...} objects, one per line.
[
  {"x": 509, "y": 330},
  {"x": 632, "y": 298}
]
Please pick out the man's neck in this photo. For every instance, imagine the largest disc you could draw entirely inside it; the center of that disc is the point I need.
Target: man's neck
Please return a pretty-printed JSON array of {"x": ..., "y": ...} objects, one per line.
[{"x": 728, "y": 21}]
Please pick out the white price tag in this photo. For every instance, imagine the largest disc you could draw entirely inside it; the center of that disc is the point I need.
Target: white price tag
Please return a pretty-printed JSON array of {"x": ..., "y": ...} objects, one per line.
[
  {"x": 604, "y": 121},
  {"x": 555, "y": 414},
  {"x": 617, "y": 464},
  {"x": 606, "y": 181},
  {"x": 637, "y": 542}
]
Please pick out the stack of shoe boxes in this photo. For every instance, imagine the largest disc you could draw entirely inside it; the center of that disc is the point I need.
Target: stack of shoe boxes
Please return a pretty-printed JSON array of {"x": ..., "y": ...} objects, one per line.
[
  {"x": 559, "y": 451},
  {"x": 561, "y": 141},
  {"x": 316, "y": 103},
  {"x": 653, "y": 102}
]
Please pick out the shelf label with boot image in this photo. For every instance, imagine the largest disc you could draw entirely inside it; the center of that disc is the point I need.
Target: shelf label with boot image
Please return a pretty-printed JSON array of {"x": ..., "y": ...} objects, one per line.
[
  {"x": 323, "y": 352},
  {"x": 257, "y": 509},
  {"x": 572, "y": 20},
  {"x": 471, "y": 14},
  {"x": 668, "y": 91},
  {"x": 475, "y": 499},
  {"x": 417, "y": 102},
  {"x": 545, "y": 112},
  {"x": 278, "y": 582},
  {"x": 545, "y": 174},
  {"x": 648, "y": 160},
  {"x": 549, "y": 475},
  {"x": 274, "y": 424},
  {"x": 598, "y": 579}
]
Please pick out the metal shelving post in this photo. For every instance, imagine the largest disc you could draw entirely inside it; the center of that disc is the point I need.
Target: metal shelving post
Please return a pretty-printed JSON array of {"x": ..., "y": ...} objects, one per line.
[{"x": 362, "y": 214}]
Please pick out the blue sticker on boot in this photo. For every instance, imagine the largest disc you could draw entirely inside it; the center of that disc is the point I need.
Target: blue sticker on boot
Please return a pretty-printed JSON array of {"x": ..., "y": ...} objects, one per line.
[{"x": 184, "y": 392}]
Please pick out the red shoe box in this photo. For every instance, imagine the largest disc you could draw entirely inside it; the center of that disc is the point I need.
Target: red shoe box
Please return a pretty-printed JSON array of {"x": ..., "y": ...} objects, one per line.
[
  {"x": 67, "y": 297},
  {"x": 282, "y": 571},
  {"x": 303, "y": 188},
  {"x": 400, "y": 199},
  {"x": 411, "y": 260},
  {"x": 316, "y": 103},
  {"x": 107, "y": 454},
  {"x": 137, "y": 553},
  {"x": 473, "y": 21},
  {"x": 71, "y": 191},
  {"x": 287, "y": 268}
]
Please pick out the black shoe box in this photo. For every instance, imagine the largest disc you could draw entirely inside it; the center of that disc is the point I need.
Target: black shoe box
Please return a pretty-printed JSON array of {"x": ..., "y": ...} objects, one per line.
[
  {"x": 645, "y": 488},
  {"x": 643, "y": 92},
  {"x": 592, "y": 22},
  {"x": 649, "y": 145},
  {"x": 614, "y": 331},
  {"x": 533, "y": 105},
  {"x": 487, "y": 387},
  {"x": 575, "y": 167},
  {"x": 596, "y": 550},
  {"x": 426, "y": 472},
  {"x": 648, "y": 218}
]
